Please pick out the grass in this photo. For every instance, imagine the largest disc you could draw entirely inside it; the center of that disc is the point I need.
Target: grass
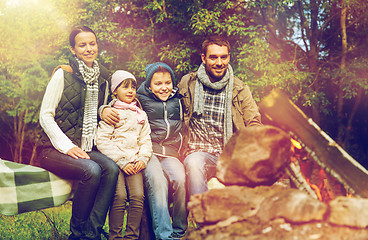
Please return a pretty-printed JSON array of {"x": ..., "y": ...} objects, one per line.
[{"x": 47, "y": 224}]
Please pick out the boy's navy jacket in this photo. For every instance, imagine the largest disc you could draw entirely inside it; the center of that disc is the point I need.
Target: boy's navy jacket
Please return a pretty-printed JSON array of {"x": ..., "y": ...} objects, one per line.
[{"x": 165, "y": 120}]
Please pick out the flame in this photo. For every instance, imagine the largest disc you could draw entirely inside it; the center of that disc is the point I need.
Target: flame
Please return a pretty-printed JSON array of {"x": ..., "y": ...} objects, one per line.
[
  {"x": 295, "y": 143},
  {"x": 314, "y": 175},
  {"x": 316, "y": 190}
]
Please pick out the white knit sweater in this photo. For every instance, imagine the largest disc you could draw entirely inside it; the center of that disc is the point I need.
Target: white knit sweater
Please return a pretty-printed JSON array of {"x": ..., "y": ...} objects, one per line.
[{"x": 49, "y": 104}]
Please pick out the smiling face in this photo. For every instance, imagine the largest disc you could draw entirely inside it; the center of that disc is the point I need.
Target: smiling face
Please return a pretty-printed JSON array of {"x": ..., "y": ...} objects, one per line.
[
  {"x": 85, "y": 47},
  {"x": 161, "y": 85},
  {"x": 126, "y": 92},
  {"x": 216, "y": 61}
]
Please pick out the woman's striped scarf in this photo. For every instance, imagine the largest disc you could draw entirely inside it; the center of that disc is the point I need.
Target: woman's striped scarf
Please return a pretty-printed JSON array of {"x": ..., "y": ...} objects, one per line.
[{"x": 90, "y": 77}]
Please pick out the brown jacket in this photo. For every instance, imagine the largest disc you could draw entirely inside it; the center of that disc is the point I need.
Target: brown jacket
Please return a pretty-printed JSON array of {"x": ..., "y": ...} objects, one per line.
[{"x": 244, "y": 110}]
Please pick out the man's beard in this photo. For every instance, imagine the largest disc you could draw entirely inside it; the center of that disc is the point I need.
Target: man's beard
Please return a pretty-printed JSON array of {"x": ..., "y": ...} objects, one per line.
[{"x": 215, "y": 78}]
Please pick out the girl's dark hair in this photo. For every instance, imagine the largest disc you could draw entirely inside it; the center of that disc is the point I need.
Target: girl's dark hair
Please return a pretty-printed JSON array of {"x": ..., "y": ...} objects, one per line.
[
  {"x": 78, "y": 30},
  {"x": 126, "y": 82}
]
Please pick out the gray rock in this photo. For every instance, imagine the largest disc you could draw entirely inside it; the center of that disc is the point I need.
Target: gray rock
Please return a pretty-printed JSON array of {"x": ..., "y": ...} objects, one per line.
[
  {"x": 220, "y": 204},
  {"x": 293, "y": 205},
  {"x": 254, "y": 156},
  {"x": 349, "y": 212}
]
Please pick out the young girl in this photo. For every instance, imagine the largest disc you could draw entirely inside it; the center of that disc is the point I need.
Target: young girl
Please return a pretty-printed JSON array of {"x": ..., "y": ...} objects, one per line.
[
  {"x": 68, "y": 117},
  {"x": 128, "y": 143}
]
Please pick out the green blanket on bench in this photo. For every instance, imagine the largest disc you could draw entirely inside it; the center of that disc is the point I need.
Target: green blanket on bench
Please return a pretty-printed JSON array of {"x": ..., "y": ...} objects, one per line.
[{"x": 25, "y": 188}]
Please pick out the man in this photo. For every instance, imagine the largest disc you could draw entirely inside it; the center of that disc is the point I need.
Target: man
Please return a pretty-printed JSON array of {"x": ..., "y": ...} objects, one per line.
[{"x": 216, "y": 104}]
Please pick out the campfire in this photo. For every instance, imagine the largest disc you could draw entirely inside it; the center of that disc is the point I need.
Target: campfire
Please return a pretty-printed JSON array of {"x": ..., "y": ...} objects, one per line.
[
  {"x": 285, "y": 181},
  {"x": 306, "y": 175},
  {"x": 328, "y": 169}
]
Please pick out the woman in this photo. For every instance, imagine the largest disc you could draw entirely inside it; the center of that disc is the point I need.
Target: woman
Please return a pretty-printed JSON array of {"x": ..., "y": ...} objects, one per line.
[{"x": 68, "y": 117}]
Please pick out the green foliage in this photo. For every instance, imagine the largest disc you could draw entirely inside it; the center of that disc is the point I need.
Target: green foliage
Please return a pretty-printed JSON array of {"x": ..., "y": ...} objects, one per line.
[
  {"x": 263, "y": 69},
  {"x": 288, "y": 44},
  {"x": 179, "y": 55},
  {"x": 225, "y": 17},
  {"x": 23, "y": 89},
  {"x": 32, "y": 35},
  {"x": 204, "y": 21},
  {"x": 354, "y": 76}
]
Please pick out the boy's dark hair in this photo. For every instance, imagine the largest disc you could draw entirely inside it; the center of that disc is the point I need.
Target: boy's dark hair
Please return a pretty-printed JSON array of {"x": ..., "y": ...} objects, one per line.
[
  {"x": 78, "y": 30},
  {"x": 215, "y": 39}
]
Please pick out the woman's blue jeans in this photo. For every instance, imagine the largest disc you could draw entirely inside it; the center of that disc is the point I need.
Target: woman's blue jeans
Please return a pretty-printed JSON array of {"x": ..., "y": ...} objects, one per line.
[
  {"x": 165, "y": 181},
  {"x": 200, "y": 167},
  {"x": 96, "y": 185}
]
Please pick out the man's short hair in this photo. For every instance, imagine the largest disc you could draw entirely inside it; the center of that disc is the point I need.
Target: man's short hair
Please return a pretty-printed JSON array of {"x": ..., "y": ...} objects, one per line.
[{"x": 215, "y": 39}]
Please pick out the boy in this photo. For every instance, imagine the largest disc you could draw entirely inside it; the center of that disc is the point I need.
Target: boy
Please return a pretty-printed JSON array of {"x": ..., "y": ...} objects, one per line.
[{"x": 164, "y": 174}]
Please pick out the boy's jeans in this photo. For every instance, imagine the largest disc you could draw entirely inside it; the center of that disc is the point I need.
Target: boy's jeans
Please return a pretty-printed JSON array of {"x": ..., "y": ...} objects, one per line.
[
  {"x": 199, "y": 167},
  {"x": 164, "y": 180}
]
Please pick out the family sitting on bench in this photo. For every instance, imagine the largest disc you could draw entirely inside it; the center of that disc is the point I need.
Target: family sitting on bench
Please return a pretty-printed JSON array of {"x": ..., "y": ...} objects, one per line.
[{"x": 167, "y": 137}]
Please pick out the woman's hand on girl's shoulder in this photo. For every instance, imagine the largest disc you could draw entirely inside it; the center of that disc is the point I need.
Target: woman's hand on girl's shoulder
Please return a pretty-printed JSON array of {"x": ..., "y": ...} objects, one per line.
[{"x": 110, "y": 115}]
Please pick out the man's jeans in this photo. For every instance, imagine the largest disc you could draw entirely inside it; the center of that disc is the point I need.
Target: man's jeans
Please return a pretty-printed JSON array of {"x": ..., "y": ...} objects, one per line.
[
  {"x": 199, "y": 167},
  {"x": 96, "y": 185},
  {"x": 164, "y": 181}
]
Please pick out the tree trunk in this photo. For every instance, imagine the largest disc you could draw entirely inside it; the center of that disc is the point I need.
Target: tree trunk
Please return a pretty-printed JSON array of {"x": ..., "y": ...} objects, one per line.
[
  {"x": 310, "y": 33},
  {"x": 354, "y": 110},
  {"x": 313, "y": 54},
  {"x": 16, "y": 157},
  {"x": 19, "y": 133},
  {"x": 340, "y": 96},
  {"x": 32, "y": 160}
]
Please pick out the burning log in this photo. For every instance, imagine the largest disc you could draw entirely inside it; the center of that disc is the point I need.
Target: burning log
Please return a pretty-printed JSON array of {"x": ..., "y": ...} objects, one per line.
[
  {"x": 282, "y": 113},
  {"x": 295, "y": 174}
]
